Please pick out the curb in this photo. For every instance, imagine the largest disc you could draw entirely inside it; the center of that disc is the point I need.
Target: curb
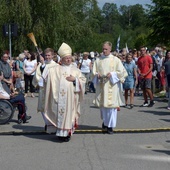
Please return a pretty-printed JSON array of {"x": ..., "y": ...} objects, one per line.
[{"x": 89, "y": 131}]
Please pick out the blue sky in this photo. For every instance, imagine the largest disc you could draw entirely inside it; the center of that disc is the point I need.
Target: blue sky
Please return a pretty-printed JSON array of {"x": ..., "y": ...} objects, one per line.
[{"x": 123, "y": 2}]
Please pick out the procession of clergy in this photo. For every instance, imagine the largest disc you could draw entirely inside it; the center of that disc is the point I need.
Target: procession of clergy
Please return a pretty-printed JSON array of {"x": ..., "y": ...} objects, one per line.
[{"x": 62, "y": 88}]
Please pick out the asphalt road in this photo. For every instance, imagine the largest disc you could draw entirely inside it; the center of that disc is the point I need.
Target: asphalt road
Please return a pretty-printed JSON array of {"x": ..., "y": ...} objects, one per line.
[{"x": 141, "y": 141}]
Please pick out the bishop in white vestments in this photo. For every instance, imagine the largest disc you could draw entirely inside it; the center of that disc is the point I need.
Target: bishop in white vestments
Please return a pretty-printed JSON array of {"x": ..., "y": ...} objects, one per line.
[
  {"x": 65, "y": 88},
  {"x": 108, "y": 73}
]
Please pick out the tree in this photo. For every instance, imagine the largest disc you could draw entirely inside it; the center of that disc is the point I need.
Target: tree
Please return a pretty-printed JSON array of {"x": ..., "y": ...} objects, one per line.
[
  {"x": 52, "y": 21},
  {"x": 159, "y": 22},
  {"x": 132, "y": 16},
  {"x": 81, "y": 24},
  {"x": 111, "y": 17}
]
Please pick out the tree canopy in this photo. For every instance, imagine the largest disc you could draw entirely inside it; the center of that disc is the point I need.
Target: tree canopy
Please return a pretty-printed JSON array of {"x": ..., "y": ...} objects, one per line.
[
  {"x": 83, "y": 25},
  {"x": 159, "y": 22}
]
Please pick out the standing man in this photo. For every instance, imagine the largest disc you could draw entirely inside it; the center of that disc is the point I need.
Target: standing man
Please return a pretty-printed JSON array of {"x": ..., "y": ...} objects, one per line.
[
  {"x": 65, "y": 87},
  {"x": 46, "y": 61},
  {"x": 109, "y": 72},
  {"x": 145, "y": 66}
]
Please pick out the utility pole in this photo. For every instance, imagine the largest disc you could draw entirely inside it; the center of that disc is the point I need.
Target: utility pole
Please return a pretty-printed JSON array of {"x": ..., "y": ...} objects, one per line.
[
  {"x": 10, "y": 42},
  {"x": 10, "y": 30}
]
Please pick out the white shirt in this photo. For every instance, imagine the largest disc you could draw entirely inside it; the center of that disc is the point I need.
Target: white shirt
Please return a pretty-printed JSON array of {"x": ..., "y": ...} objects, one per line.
[
  {"x": 85, "y": 67},
  {"x": 3, "y": 92},
  {"x": 29, "y": 66}
]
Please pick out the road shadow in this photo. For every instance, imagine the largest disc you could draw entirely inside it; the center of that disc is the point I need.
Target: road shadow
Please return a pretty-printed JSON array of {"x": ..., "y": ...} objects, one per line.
[
  {"x": 162, "y": 113},
  {"x": 37, "y": 132},
  {"x": 86, "y": 127},
  {"x": 167, "y": 152},
  {"x": 166, "y": 120},
  {"x": 94, "y": 107},
  {"x": 14, "y": 121},
  {"x": 160, "y": 108},
  {"x": 46, "y": 137},
  {"x": 28, "y": 128}
]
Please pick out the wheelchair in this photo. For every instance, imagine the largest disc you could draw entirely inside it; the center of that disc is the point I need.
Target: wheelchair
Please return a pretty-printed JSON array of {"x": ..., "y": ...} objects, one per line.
[{"x": 7, "y": 111}]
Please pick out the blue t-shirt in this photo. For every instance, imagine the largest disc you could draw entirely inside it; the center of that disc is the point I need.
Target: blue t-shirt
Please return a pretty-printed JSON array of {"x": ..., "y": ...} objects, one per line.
[
  {"x": 20, "y": 64},
  {"x": 130, "y": 70}
]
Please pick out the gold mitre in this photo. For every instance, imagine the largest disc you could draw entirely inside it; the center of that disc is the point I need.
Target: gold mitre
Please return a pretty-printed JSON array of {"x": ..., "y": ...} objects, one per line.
[{"x": 64, "y": 50}]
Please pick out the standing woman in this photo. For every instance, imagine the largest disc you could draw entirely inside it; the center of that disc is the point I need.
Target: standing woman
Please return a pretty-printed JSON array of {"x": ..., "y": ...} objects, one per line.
[
  {"x": 30, "y": 65},
  {"x": 85, "y": 66},
  {"x": 131, "y": 80},
  {"x": 167, "y": 73}
]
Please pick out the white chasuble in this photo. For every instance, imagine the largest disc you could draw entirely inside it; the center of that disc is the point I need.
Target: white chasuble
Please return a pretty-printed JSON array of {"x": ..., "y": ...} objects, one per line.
[
  {"x": 107, "y": 90},
  {"x": 64, "y": 111}
]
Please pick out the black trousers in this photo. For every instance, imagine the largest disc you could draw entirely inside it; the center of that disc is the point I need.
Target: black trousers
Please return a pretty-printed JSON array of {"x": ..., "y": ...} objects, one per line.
[
  {"x": 20, "y": 101},
  {"x": 28, "y": 81}
]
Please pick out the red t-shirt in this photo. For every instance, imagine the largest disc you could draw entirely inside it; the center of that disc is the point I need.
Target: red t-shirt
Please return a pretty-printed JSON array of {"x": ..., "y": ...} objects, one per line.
[{"x": 144, "y": 65}]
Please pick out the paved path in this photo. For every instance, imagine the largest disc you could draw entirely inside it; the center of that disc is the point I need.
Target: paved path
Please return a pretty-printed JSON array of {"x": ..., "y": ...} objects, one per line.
[{"x": 28, "y": 147}]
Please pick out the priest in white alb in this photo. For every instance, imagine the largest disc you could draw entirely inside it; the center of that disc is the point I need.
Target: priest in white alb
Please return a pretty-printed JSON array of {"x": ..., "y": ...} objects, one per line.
[
  {"x": 65, "y": 88},
  {"x": 46, "y": 61},
  {"x": 108, "y": 73}
]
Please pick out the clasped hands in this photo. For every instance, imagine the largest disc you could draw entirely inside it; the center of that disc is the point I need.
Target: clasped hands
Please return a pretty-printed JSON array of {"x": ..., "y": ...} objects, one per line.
[
  {"x": 108, "y": 75},
  {"x": 142, "y": 75},
  {"x": 70, "y": 78}
]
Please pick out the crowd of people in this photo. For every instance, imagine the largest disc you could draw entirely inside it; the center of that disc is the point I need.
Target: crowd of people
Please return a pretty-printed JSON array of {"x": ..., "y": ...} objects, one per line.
[{"x": 62, "y": 80}]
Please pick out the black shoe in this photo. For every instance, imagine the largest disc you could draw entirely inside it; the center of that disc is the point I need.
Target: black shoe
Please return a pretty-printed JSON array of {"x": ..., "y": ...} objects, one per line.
[
  {"x": 151, "y": 103},
  {"x": 26, "y": 118},
  {"x": 103, "y": 126},
  {"x": 109, "y": 130},
  {"x": 64, "y": 139},
  {"x": 22, "y": 118},
  {"x": 126, "y": 106},
  {"x": 45, "y": 128},
  {"x": 67, "y": 139},
  {"x": 145, "y": 104},
  {"x": 131, "y": 106}
]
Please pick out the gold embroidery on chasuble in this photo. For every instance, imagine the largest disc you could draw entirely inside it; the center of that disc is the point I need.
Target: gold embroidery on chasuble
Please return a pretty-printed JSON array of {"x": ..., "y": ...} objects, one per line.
[
  {"x": 61, "y": 111},
  {"x": 110, "y": 92},
  {"x": 110, "y": 95},
  {"x": 101, "y": 94},
  {"x": 65, "y": 74},
  {"x": 62, "y": 92}
]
